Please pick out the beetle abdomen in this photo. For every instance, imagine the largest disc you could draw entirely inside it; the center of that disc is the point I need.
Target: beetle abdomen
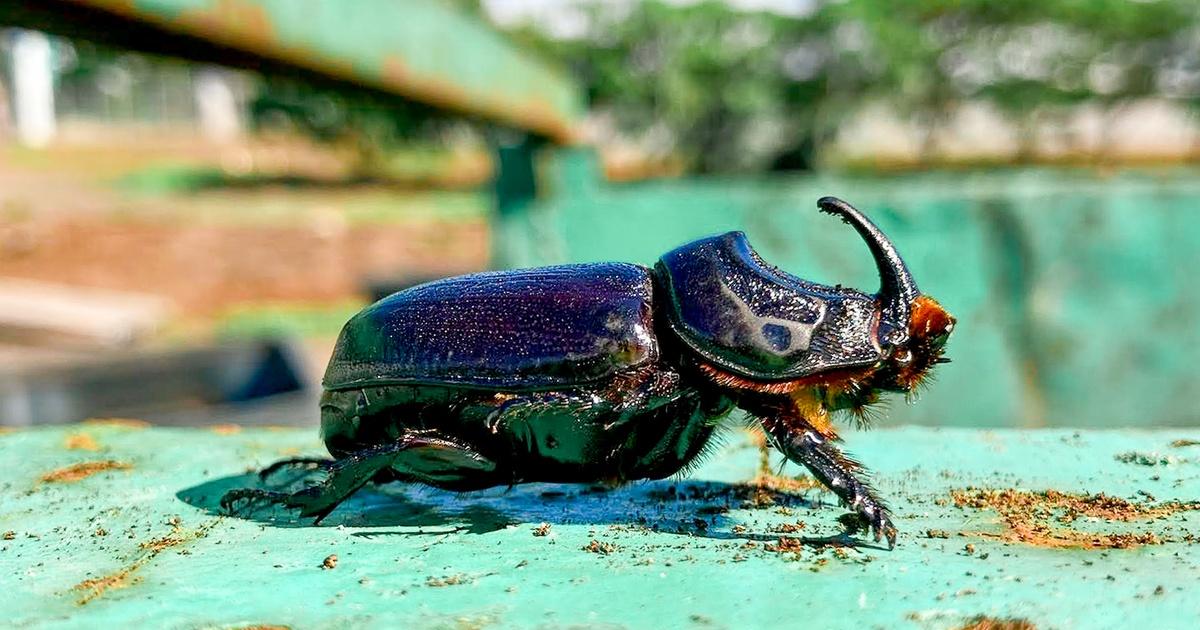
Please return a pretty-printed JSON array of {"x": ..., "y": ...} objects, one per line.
[{"x": 524, "y": 329}]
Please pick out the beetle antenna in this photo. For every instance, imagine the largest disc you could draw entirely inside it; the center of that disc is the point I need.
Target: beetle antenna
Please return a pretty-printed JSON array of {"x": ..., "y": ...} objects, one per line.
[{"x": 897, "y": 288}]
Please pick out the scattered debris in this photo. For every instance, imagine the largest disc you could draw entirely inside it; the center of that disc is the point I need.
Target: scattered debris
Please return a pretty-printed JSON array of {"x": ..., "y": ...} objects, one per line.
[
  {"x": 969, "y": 548},
  {"x": 92, "y": 588},
  {"x": 1146, "y": 459},
  {"x": 330, "y": 561},
  {"x": 936, "y": 533},
  {"x": 83, "y": 470},
  {"x": 983, "y": 622},
  {"x": 1183, "y": 443},
  {"x": 541, "y": 530},
  {"x": 9, "y": 535},
  {"x": 1026, "y": 515}
]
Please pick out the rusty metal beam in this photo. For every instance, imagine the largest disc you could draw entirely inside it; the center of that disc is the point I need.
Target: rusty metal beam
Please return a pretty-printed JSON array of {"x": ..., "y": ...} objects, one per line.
[{"x": 417, "y": 49}]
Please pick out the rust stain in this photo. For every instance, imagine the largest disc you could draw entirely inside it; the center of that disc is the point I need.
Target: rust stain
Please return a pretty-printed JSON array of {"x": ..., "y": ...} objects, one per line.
[
  {"x": 127, "y": 423},
  {"x": 1027, "y": 517},
  {"x": 92, "y": 588},
  {"x": 226, "y": 429},
  {"x": 1183, "y": 443},
  {"x": 80, "y": 442},
  {"x": 233, "y": 21},
  {"x": 248, "y": 26},
  {"x": 83, "y": 470}
]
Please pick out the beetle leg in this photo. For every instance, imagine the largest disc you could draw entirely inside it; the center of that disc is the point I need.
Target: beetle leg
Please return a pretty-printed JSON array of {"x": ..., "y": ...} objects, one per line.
[
  {"x": 431, "y": 460},
  {"x": 311, "y": 463},
  {"x": 841, "y": 474}
]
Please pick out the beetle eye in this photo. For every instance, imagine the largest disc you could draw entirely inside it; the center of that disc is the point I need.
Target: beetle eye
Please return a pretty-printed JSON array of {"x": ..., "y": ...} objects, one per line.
[{"x": 903, "y": 357}]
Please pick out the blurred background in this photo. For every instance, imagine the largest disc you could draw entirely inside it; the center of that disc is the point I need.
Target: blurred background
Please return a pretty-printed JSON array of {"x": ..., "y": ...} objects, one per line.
[{"x": 196, "y": 194}]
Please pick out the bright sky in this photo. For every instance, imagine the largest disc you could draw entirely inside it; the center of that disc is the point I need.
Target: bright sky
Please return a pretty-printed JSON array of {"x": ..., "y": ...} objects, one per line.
[{"x": 563, "y": 17}]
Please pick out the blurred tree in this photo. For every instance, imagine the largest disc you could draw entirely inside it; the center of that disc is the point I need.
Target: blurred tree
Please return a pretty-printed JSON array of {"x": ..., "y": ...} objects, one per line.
[{"x": 732, "y": 90}]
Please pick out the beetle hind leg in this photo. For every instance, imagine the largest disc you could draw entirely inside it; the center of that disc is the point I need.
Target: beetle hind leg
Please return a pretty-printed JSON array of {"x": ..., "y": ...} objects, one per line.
[{"x": 436, "y": 461}]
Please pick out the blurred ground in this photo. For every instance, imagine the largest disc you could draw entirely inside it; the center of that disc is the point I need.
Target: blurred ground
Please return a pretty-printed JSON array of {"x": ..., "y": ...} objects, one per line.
[
  {"x": 127, "y": 225},
  {"x": 271, "y": 235}
]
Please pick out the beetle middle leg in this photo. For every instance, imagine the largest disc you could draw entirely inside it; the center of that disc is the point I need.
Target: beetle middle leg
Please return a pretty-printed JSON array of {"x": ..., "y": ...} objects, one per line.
[
  {"x": 433, "y": 460},
  {"x": 805, "y": 445}
]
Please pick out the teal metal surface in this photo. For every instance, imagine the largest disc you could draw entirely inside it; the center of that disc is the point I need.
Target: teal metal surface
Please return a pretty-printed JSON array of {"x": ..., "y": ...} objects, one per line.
[
  {"x": 419, "y": 49},
  {"x": 1074, "y": 289},
  {"x": 138, "y": 542}
]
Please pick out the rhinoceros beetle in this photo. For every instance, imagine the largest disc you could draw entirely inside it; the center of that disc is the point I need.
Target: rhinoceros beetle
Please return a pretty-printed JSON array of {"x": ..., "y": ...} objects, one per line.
[{"x": 611, "y": 372}]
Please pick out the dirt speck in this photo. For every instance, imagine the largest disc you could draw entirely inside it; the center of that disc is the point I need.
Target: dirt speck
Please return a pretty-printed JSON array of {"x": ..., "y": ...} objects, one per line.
[
  {"x": 936, "y": 533},
  {"x": 602, "y": 548},
  {"x": 80, "y": 442},
  {"x": 1183, "y": 443},
  {"x": 787, "y": 528},
  {"x": 785, "y": 544},
  {"x": 83, "y": 470},
  {"x": 9, "y": 535},
  {"x": 447, "y": 580},
  {"x": 330, "y": 561},
  {"x": 541, "y": 530},
  {"x": 997, "y": 623}
]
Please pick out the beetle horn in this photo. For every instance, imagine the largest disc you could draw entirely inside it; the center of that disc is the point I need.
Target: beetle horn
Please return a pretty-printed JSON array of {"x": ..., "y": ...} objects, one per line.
[{"x": 897, "y": 289}]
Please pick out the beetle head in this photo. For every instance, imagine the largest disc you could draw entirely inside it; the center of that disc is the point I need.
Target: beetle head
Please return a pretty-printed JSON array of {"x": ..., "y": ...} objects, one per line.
[
  {"x": 909, "y": 363},
  {"x": 913, "y": 328}
]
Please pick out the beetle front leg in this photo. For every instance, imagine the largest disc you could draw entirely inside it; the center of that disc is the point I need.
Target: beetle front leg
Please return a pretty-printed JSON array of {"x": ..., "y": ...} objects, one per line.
[{"x": 844, "y": 476}]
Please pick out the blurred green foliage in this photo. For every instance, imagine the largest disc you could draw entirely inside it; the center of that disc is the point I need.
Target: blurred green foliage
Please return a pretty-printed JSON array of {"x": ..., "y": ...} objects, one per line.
[
  {"x": 731, "y": 90},
  {"x": 286, "y": 320}
]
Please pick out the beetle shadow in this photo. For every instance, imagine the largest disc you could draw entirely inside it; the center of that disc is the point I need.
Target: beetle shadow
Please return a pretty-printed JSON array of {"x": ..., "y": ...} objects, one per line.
[{"x": 686, "y": 507}]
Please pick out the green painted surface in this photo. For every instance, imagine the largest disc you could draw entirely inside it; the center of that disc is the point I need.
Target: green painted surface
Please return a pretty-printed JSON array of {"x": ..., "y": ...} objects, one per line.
[
  {"x": 420, "y": 558},
  {"x": 1075, "y": 291},
  {"x": 420, "y": 49}
]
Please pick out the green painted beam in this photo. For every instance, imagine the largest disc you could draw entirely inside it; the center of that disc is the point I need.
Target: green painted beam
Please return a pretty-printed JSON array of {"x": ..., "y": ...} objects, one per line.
[
  {"x": 1075, "y": 289},
  {"x": 418, "y": 49},
  {"x": 142, "y": 545}
]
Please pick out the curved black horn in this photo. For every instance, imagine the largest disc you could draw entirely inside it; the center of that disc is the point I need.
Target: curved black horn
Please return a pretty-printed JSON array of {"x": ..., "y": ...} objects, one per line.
[{"x": 897, "y": 289}]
